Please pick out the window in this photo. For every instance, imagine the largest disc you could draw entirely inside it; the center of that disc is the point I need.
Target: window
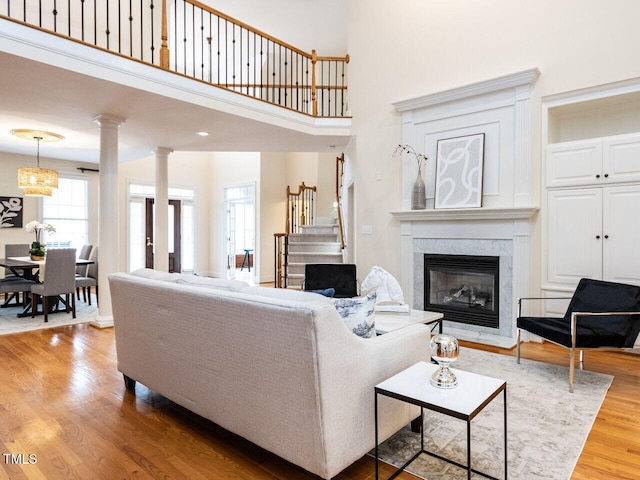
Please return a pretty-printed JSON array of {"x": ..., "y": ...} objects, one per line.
[{"x": 67, "y": 209}]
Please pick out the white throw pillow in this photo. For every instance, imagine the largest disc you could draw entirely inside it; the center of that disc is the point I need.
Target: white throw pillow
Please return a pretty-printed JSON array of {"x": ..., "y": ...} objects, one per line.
[{"x": 358, "y": 314}]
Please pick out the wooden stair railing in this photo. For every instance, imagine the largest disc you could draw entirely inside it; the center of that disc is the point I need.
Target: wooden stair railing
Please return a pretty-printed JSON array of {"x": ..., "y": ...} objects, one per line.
[
  {"x": 200, "y": 43},
  {"x": 300, "y": 210}
]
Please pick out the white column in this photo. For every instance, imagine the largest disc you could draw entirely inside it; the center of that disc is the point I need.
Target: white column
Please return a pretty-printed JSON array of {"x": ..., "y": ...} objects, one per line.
[
  {"x": 108, "y": 223},
  {"x": 161, "y": 217}
]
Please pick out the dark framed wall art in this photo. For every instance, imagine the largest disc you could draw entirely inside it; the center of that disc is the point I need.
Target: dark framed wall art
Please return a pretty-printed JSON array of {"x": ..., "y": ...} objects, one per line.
[{"x": 11, "y": 212}]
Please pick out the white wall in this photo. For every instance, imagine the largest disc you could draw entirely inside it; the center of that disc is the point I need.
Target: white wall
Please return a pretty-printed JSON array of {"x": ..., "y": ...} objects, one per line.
[
  {"x": 409, "y": 48},
  {"x": 304, "y": 24}
]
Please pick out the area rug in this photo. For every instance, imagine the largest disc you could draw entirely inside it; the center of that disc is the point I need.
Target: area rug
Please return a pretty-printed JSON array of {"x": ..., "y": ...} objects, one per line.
[
  {"x": 10, "y": 323},
  {"x": 547, "y": 425}
]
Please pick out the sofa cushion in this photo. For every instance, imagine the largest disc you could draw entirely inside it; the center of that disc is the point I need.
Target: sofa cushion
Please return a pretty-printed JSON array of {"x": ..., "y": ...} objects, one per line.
[
  {"x": 284, "y": 294},
  {"x": 358, "y": 314},
  {"x": 214, "y": 283}
]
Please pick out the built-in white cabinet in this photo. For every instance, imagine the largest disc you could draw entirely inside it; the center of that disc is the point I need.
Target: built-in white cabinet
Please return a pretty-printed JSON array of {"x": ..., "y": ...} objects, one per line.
[
  {"x": 593, "y": 211},
  {"x": 594, "y": 162},
  {"x": 595, "y": 233}
]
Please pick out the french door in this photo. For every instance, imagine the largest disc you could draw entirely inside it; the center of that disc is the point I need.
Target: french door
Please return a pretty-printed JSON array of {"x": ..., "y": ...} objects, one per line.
[{"x": 175, "y": 250}]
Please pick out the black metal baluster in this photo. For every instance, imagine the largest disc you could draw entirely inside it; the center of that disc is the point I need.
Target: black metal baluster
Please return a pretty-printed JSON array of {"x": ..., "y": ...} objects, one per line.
[
  {"x": 40, "y": 13},
  {"x": 261, "y": 70},
  {"x": 95, "y": 22},
  {"x": 248, "y": 61},
  {"x": 69, "y": 17},
  {"x": 218, "y": 50},
  {"x": 184, "y": 36},
  {"x": 119, "y": 26},
  {"x": 254, "y": 64},
  {"x": 240, "y": 60},
  {"x": 107, "y": 30},
  {"x": 193, "y": 38},
  {"x": 130, "y": 29},
  {"x": 202, "y": 44},
  {"x": 153, "y": 45},
  {"x": 82, "y": 18},
  {"x": 279, "y": 74},
  {"x": 267, "y": 90},
  {"x": 226, "y": 53},
  {"x": 210, "y": 51},
  {"x": 335, "y": 93},
  {"x": 342, "y": 112},
  {"x": 233, "y": 55},
  {"x": 273, "y": 94}
]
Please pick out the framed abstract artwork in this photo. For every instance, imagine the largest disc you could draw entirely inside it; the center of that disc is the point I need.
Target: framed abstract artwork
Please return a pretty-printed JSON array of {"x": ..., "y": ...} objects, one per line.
[
  {"x": 11, "y": 212},
  {"x": 459, "y": 168}
]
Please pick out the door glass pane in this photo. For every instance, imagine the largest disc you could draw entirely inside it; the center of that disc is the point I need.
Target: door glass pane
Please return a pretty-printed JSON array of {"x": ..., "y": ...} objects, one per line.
[
  {"x": 171, "y": 236},
  {"x": 136, "y": 235}
]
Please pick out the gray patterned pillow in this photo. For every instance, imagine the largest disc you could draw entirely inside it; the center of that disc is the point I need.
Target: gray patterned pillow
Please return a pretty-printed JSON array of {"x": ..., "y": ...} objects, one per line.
[{"x": 358, "y": 314}]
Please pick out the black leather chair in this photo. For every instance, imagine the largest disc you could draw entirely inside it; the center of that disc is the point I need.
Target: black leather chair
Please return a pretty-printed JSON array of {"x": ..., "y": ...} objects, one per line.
[
  {"x": 339, "y": 276},
  {"x": 600, "y": 315}
]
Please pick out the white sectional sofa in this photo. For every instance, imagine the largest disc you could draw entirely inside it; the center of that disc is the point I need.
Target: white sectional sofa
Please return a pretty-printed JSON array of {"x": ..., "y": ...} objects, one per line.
[{"x": 277, "y": 367}]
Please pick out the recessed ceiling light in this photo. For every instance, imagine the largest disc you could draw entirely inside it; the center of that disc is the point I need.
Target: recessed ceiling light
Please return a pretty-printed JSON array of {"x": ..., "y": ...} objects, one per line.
[{"x": 202, "y": 134}]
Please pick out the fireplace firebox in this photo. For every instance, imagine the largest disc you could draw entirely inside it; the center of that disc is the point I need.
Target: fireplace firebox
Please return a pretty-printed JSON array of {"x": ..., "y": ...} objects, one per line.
[{"x": 464, "y": 288}]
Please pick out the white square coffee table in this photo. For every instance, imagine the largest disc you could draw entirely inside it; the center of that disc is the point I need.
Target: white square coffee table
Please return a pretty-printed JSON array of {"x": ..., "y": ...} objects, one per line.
[
  {"x": 473, "y": 393},
  {"x": 387, "y": 322}
]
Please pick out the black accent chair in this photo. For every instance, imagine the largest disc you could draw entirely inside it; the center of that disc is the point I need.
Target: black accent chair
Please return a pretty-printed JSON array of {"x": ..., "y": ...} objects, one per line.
[
  {"x": 339, "y": 276},
  {"x": 600, "y": 315}
]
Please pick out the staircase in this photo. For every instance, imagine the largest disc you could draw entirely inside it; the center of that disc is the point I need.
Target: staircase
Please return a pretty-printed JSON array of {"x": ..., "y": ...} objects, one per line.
[{"x": 319, "y": 243}]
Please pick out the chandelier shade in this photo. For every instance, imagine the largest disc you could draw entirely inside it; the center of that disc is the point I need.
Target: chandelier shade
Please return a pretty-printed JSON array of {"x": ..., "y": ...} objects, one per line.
[
  {"x": 37, "y": 191},
  {"x": 37, "y": 182},
  {"x": 37, "y": 177}
]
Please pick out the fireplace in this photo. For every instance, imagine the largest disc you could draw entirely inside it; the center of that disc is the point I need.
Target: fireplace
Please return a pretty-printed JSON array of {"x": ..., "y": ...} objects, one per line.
[{"x": 463, "y": 287}]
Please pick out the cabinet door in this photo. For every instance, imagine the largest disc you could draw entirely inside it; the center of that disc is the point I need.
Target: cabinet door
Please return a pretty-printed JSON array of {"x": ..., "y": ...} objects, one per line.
[
  {"x": 621, "y": 232},
  {"x": 621, "y": 159},
  {"x": 574, "y": 232},
  {"x": 574, "y": 163}
]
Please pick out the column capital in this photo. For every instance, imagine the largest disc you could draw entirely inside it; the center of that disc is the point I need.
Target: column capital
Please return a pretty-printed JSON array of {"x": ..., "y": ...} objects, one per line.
[
  {"x": 109, "y": 120},
  {"x": 162, "y": 151}
]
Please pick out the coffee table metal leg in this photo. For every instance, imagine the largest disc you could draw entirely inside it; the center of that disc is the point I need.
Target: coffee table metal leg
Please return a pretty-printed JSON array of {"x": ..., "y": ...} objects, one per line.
[
  {"x": 505, "y": 432},
  {"x": 375, "y": 410},
  {"x": 469, "y": 449}
]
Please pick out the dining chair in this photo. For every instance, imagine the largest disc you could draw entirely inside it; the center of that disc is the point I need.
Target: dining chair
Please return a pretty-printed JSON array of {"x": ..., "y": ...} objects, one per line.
[
  {"x": 91, "y": 279},
  {"x": 13, "y": 250},
  {"x": 14, "y": 286},
  {"x": 59, "y": 279},
  {"x": 85, "y": 252}
]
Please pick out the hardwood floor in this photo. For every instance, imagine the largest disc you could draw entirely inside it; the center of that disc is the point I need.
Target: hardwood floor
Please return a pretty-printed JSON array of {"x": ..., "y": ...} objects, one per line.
[{"x": 64, "y": 414}]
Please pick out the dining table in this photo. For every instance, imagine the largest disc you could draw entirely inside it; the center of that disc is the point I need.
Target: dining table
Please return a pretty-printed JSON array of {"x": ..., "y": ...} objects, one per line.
[{"x": 25, "y": 267}]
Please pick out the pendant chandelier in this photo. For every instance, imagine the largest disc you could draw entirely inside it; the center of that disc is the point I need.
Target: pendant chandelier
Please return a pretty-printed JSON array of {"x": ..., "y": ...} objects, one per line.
[{"x": 37, "y": 182}]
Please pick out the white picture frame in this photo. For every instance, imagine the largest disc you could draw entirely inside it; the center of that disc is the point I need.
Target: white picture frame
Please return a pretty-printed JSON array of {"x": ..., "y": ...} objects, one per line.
[{"x": 459, "y": 171}]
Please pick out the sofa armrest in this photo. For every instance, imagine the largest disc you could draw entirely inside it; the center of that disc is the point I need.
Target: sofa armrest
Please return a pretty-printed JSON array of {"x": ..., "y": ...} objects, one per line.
[{"x": 350, "y": 368}]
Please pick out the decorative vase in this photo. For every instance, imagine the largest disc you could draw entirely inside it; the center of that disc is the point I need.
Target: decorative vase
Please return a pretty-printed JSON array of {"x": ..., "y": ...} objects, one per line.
[
  {"x": 444, "y": 350},
  {"x": 36, "y": 257},
  {"x": 419, "y": 195}
]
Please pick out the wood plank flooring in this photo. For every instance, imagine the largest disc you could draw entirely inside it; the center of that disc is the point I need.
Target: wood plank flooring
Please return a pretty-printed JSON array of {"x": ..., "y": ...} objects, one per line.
[{"x": 64, "y": 414}]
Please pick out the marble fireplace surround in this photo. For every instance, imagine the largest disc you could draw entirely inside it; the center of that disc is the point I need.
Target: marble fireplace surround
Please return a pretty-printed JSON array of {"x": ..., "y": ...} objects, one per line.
[
  {"x": 501, "y": 109},
  {"x": 504, "y": 233}
]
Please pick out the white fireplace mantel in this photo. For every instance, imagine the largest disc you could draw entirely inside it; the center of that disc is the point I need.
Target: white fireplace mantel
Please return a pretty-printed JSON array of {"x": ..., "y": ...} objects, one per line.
[
  {"x": 432, "y": 215},
  {"x": 501, "y": 109}
]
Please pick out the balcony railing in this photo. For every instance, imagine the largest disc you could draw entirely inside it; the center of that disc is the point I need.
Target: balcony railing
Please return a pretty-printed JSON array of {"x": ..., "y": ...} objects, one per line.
[{"x": 196, "y": 41}]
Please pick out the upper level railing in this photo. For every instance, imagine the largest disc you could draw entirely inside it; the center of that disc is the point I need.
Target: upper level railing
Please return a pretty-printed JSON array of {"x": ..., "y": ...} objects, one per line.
[{"x": 196, "y": 41}]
